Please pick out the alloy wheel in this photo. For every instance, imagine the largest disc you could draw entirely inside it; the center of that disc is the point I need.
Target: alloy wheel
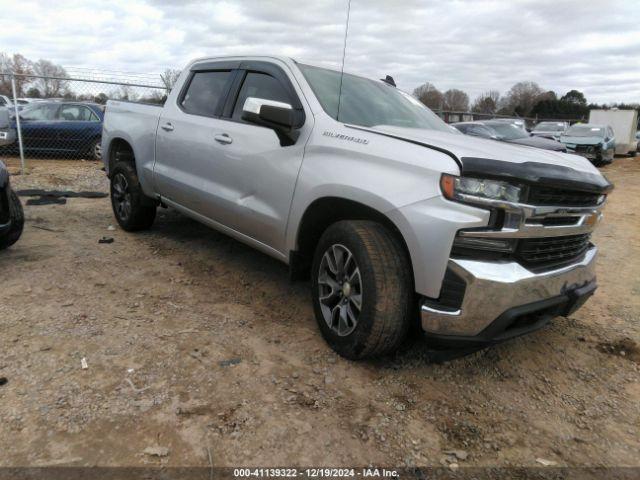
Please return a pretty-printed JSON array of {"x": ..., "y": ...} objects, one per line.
[
  {"x": 121, "y": 196},
  {"x": 340, "y": 289}
]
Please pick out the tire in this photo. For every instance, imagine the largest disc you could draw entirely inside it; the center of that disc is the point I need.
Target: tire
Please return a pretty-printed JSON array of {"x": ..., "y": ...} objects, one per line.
[
  {"x": 382, "y": 288},
  {"x": 17, "y": 222},
  {"x": 133, "y": 210},
  {"x": 94, "y": 151}
]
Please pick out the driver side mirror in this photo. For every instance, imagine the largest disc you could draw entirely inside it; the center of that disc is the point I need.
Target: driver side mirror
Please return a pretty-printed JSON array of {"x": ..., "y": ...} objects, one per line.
[{"x": 278, "y": 116}]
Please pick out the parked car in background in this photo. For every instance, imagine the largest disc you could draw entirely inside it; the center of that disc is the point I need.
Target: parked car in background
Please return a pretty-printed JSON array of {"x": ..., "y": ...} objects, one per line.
[
  {"x": 11, "y": 213},
  {"x": 62, "y": 128},
  {"x": 7, "y": 134},
  {"x": 5, "y": 101},
  {"x": 518, "y": 122},
  {"x": 551, "y": 130},
  {"x": 624, "y": 124},
  {"x": 638, "y": 141},
  {"x": 507, "y": 132},
  {"x": 595, "y": 142}
]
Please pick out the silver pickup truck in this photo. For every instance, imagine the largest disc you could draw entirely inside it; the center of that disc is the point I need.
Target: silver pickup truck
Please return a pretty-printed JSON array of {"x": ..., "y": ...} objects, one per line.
[{"x": 394, "y": 216}]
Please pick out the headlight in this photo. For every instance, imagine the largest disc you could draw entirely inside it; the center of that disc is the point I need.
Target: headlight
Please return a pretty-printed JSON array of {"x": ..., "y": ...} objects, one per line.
[{"x": 452, "y": 187}]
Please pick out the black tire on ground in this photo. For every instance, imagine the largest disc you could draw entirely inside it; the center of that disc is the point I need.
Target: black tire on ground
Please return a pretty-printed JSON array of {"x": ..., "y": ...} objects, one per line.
[
  {"x": 133, "y": 210},
  {"x": 386, "y": 290},
  {"x": 17, "y": 222}
]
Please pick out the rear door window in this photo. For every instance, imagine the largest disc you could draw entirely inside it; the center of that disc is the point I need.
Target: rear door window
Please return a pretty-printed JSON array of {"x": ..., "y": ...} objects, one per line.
[
  {"x": 205, "y": 92},
  {"x": 75, "y": 113}
]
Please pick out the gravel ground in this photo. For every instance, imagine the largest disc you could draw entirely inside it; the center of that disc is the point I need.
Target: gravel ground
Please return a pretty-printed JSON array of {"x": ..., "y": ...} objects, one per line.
[{"x": 195, "y": 343}]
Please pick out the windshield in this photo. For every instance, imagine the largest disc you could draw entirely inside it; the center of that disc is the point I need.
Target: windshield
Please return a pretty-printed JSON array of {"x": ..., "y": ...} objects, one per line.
[
  {"x": 585, "y": 131},
  {"x": 508, "y": 131},
  {"x": 548, "y": 127},
  {"x": 369, "y": 103}
]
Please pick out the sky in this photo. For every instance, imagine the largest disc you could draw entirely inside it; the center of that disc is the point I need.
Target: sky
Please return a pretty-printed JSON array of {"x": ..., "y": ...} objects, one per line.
[{"x": 475, "y": 46}]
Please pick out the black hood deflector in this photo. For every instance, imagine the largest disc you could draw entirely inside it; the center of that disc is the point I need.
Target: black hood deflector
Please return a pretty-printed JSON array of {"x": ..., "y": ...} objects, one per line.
[
  {"x": 554, "y": 176},
  {"x": 549, "y": 175}
]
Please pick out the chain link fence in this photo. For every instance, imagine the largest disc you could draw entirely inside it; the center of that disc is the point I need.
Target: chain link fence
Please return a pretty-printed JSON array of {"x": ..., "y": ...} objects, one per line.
[{"x": 62, "y": 117}]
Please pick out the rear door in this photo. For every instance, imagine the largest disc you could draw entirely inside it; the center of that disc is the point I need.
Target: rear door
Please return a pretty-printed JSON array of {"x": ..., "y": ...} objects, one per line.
[
  {"x": 76, "y": 128},
  {"x": 186, "y": 140}
]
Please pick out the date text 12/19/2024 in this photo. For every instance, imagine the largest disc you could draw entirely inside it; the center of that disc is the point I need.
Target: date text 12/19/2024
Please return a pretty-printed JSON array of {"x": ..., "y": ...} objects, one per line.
[{"x": 314, "y": 473}]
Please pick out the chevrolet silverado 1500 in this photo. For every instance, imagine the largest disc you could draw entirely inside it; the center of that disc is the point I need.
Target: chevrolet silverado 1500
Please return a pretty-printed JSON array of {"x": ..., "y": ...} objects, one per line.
[{"x": 393, "y": 215}]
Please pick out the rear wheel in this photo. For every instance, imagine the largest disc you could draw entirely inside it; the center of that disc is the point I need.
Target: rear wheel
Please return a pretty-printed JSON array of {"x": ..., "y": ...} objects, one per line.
[
  {"x": 132, "y": 209},
  {"x": 95, "y": 149},
  {"x": 17, "y": 222},
  {"x": 362, "y": 289}
]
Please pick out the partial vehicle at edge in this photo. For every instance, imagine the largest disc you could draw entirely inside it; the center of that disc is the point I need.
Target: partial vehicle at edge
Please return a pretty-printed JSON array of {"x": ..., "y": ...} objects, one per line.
[{"x": 11, "y": 213}]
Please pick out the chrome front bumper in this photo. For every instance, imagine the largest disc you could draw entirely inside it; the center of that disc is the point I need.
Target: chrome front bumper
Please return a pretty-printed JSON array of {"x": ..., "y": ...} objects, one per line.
[{"x": 493, "y": 288}]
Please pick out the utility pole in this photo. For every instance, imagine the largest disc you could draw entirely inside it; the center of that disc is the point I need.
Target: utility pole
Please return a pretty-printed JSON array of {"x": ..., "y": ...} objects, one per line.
[{"x": 15, "y": 108}]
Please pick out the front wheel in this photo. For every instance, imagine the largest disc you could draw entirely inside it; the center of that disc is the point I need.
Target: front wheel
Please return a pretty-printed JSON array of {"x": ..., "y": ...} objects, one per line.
[
  {"x": 362, "y": 289},
  {"x": 132, "y": 209},
  {"x": 17, "y": 222}
]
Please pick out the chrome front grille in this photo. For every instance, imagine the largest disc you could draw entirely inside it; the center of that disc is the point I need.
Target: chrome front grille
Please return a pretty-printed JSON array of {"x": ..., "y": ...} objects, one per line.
[
  {"x": 550, "y": 251},
  {"x": 544, "y": 196},
  {"x": 551, "y": 228}
]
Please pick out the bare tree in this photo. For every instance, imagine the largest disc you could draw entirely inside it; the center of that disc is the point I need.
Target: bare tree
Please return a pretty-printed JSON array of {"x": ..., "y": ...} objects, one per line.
[
  {"x": 16, "y": 64},
  {"x": 124, "y": 92},
  {"x": 54, "y": 84},
  {"x": 522, "y": 97},
  {"x": 486, "y": 102},
  {"x": 456, "y": 100},
  {"x": 169, "y": 78},
  {"x": 430, "y": 96}
]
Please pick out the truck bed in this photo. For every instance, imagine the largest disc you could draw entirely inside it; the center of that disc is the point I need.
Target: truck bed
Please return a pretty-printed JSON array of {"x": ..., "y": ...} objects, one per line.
[{"x": 135, "y": 123}]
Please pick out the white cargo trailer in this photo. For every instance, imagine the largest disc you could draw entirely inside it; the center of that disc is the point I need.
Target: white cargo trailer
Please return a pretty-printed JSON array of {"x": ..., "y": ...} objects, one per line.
[{"x": 624, "y": 124}]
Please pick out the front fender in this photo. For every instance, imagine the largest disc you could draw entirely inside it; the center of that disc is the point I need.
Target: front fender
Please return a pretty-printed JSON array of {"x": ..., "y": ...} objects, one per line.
[{"x": 429, "y": 228}]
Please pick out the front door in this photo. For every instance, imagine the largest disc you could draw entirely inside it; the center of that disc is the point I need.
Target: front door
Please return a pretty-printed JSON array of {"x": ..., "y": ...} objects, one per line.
[
  {"x": 256, "y": 175},
  {"x": 37, "y": 125}
]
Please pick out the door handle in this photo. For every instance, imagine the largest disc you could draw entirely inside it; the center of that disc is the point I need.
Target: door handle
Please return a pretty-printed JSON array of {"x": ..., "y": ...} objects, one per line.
[
  {"x": 167, "y": 127},
  {"x": 223, "y": 138}
]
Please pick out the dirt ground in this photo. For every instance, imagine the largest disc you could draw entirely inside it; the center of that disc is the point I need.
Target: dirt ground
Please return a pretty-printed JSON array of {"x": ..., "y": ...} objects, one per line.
[{"x": 198, "y": 344}]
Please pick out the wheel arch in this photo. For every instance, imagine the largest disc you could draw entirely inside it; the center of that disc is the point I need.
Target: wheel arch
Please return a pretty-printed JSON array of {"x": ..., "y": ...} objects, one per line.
[
  {"x": 119, "y": 149},
  {"x": 325, "y": 211}
]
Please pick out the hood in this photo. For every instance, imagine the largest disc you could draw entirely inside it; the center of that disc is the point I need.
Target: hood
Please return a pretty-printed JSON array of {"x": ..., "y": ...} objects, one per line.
[
  {"x": 539, "y": 142},
  {"x": 484, "y": 157},
  {"x": 582, "y": 140},
  {"x": 461, "y": 146}
]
